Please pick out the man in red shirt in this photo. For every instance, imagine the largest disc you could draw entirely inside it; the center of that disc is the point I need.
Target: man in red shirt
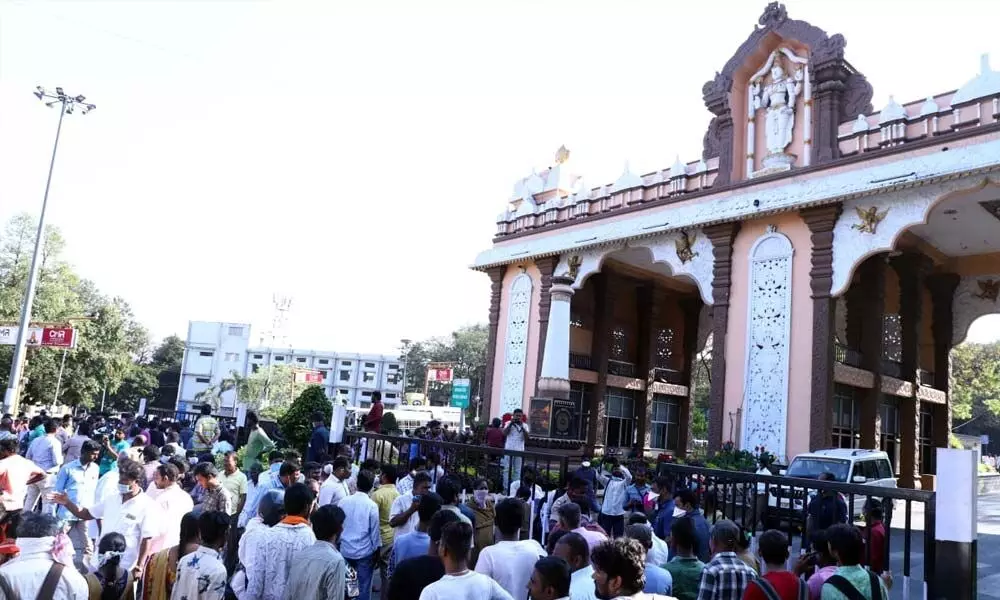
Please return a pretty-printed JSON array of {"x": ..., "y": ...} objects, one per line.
[
  {"x": 373, "y": 422},
  {"x": 777, "y": 582},
  {"x": 874, "y": 536}
]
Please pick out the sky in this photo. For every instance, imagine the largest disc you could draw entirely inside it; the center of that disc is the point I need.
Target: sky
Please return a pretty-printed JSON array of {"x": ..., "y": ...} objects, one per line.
[{"x": 353, "y": 156}]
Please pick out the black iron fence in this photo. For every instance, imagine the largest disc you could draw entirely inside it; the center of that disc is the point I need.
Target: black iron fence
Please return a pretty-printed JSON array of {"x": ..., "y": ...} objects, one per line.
[
  {"x": 759, "y": 502},
  {"x": 498, "y": 466},
  {"x": 580, "y": 361},
  {"x": 847, "y": 356},
  {"x": 672, "y": 376},
  {"x": 621, "y": 368}
]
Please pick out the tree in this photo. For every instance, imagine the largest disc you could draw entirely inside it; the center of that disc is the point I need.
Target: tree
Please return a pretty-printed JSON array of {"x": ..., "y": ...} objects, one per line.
[
  {"x": 169, "y": 353},
  {"x": 465, "y": 350},
  {"x": 269, "y": 386},
  {"x": 296, "y": 423},
  {"x": 975, "y": 391}
]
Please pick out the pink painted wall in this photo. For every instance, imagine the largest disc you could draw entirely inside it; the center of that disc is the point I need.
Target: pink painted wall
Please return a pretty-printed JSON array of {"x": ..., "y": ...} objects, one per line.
[
  {"x": 530, "y": 372},
  {"x": 800, "y": 358}
]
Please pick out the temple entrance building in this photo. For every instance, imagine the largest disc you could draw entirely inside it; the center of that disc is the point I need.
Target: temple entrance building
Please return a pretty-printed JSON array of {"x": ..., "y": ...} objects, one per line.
[{"x": 832, "y": 253}]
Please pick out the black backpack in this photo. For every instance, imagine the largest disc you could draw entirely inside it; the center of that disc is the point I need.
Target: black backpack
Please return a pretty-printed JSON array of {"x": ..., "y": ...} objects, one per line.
[
  {"x": 772, "y": 594},
  {"x": 850, "y": 592}
]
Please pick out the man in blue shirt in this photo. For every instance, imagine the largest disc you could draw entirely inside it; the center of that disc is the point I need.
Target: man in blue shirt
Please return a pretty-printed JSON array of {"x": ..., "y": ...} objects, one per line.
[
  {"x": 658, "y": 579},
  {"x": 663, "y": 515},
  {"x": 635, "y": 494},
  {"x": 78, "y": 480},
  {"x": 319, "y": 443},
  {"x": 687, "y": 501}
]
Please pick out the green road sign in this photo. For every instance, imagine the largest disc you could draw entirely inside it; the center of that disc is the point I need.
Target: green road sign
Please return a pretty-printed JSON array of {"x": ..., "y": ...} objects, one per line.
[{"x": 460, "y": 393}]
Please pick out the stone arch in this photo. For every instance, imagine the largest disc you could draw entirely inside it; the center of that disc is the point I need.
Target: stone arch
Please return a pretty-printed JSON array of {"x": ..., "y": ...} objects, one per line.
[
  {"x": 655, "y": 250},
  {"x": 898, "y": 211},
  {"x": 974, "y": 298}
]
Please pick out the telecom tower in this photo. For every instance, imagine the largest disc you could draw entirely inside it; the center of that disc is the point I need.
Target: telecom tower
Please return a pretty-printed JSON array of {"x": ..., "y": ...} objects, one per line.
[{"x": 282, "y": 305}]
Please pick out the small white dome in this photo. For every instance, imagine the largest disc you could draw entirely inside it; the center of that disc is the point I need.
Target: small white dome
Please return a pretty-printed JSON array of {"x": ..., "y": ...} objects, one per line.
[
  {"x": 678, "y": 169},
  {"x": 627, "y": 180},
  {"x": 860, "y": 124},
  {"x": 929, "y": 107},
  {"x": 892, "y": 112},
  {"x": 701, "y": 167},
  {"x": 986, "y": 84}
]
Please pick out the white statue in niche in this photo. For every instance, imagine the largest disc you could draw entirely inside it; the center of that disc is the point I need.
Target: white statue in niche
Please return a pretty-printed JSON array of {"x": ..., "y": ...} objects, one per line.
[{"x": 778, "y": 97}]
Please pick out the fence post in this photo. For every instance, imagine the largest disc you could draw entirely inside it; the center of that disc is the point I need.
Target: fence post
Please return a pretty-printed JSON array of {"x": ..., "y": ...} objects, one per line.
[{"x": 954, "y": 559}]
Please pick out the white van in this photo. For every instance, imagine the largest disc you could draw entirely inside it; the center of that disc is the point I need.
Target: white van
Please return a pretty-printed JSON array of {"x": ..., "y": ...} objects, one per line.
[{"x": 867, "y": 467}]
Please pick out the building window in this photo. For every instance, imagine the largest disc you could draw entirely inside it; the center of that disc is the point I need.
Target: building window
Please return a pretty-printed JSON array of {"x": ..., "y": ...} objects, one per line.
[
  {"x": 206, "y": 353},
  {"x": 892, "y": 338},
  {"x": 236, "y": 331},
  {"x": 258, "y": 356},
  {"x": 393, "y": 367},
  {"x": 393, "y": 378},
  {"x": 366, "y": 394},
  {"x": 324, "y": 361},
  {"x": 369, "y": 377},
  {"x": 345, "y": 363},
  {"x": 345, "y": 375},
  {"x": 666, "y": 429},
  {"x": 301, "y": 359},
  {"x": 390, "y": 396},
  {"x": 618, "y": 343},
  {"x": 343, "y": 392},
  {"x": 369, "y": 365},
  {"x": 279, "y": 359},
  {"x": 846, "y": 417},
  {"x": 926, "y": 441},
  {"x": 664, "y": 347},
  {"x": 232, "y": 356},
  {"x": 325, "y": 373},
  {"x": 889, "y": 437},
  {"x": 202, "y": 380},
  {"x": 620, "y": 405}
]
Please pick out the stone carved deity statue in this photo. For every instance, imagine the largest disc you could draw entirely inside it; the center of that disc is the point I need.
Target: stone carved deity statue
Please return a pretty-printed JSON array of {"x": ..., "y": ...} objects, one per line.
[{"x": 778, "y": 97}]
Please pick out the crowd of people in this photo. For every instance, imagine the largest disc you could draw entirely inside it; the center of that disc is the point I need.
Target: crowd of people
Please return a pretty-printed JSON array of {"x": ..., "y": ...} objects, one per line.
[{"x": 154, "y": 509}]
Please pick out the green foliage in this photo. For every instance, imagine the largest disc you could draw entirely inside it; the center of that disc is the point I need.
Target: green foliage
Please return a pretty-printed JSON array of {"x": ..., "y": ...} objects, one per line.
[
  {"x": 296, "y": 423},
  {"x": 985, "y": 468},
  {"x": 975, "y": 391},
  {"x": 273, "y": 412},
  {"x": 731, "y": 459},
  {"x": 270, "y": 386},
  {"x": 954, "y": 443},
  {"x": 702, "y": 385},
  {"x": 110, "y": 342},
  {"x": 465, "y": 349},
  {"x": 389, "y": 425}
]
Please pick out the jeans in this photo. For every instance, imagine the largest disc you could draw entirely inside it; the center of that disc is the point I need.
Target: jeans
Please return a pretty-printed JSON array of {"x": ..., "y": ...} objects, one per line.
[
  {"x": 511, "y": 470},
  {"x": 614, "y": 525},
  {"x": 366, "y": 570},
  {"x": 83, "y": 546}
]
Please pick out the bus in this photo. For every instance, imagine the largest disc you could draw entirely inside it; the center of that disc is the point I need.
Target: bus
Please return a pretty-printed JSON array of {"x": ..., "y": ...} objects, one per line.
[{"x": 409, "y": 417}]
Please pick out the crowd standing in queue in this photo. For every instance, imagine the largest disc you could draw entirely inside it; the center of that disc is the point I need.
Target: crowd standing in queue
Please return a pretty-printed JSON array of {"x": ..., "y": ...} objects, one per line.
[{"x": 137, "y": 509}]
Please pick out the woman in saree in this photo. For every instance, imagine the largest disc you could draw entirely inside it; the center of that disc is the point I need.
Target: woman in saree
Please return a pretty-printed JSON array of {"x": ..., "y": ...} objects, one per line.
[{"x": 161, "y": 570}]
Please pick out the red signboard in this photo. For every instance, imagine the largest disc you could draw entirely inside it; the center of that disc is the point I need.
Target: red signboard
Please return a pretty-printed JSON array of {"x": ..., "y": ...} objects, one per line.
[
  {"x": 308, "y": 377},
  {"x": 442, "y": 375},
  {"x": 58, "y": 337}
]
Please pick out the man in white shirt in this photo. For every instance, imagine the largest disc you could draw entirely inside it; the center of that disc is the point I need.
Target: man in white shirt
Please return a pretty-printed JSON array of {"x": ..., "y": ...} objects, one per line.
[
  {"x": 131, "y": 513},
  {"x": 405, "y": 484},
  {"x": 515, "y": 434},
  {"x": 403, "y": 515},
  {"x": 46, "y": 452},
  {"x": 459, "y": 583},
  {"x": 25, "y": 575},
  {"x": 174, "y": 503},
  {"x": 201, "y": 575},
  {"x": 510, "y": 561},
  {"x": 16, "y": 474},
  {"x": 612, "y": 517},
  {"x": 573, "y": 548},
  {"x": 361, "y": 540},
  {"x": 335, "y": 488},
  {"x": 271, "y": 562},
  {"x": 528, "y": 479}
]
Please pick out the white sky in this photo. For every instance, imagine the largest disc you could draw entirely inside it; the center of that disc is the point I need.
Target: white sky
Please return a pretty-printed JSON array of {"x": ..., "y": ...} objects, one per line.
[{"x": 354, "y": 155}]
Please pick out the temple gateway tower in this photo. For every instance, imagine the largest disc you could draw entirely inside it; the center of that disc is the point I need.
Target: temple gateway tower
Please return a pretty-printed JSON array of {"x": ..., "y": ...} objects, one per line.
[{"x": 832, "y": 253}]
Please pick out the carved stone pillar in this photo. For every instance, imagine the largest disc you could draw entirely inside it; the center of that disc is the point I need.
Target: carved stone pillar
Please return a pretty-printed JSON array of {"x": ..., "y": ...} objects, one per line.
[
  {"x": 546, "y": 266},
  {"x": 691, "y": 308},
  {"x": 716, "y": 96},
  {"x": 912, "y": 270},
  {"x": 821, "y": 221},
  {"x": 600, "y": 352},
  {"x": 496, "y": 285},
  {"x": 646, "y": 309},
  {"x": 554, "y": 379},
  {"x": 942, "y": 288},
  {"x": 872, "y": 283},
  {"x": 722, "y": 237},
  {"x": 831, "y": 83}
]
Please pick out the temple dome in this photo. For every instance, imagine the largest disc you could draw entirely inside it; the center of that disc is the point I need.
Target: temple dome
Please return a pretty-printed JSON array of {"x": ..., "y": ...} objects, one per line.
[{"x": 986, "y": 84}]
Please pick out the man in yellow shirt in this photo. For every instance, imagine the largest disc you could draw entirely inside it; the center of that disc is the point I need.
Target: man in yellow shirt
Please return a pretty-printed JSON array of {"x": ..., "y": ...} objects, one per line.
[
  {"x": 384, "y": 496},
  {"x": 206, "y": 431}
]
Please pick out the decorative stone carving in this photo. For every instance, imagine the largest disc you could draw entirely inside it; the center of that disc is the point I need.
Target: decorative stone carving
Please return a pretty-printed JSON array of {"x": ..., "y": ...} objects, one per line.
[
  {"x": 765, "y": 395},
  {"x": 870, "y": 218},
  {"x": 909, "y": 195},
  {"x": 910, "y": 206},
  {"x": 778, "y": 98},
  {"x": 573, "y": 264},
  {"x": 972, "y": 300},
  {"x": 516, "y": 343},
  {"x": 988, "y": 289},
  {"x": 683, "y": 245},
  {"x": 562, "y": 155},
  {"x": 704, "y": 327}
]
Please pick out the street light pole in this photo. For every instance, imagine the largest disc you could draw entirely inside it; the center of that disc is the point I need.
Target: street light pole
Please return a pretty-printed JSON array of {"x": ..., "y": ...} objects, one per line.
[{"x": 66, "y": 106}]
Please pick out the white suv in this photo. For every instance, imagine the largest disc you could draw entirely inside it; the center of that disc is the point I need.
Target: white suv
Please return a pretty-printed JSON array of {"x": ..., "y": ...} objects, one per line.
[{"x": 868, "y": 467}]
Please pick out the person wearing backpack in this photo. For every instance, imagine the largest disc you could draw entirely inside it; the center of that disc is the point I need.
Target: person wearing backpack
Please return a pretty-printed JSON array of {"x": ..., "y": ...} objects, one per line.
[
  {"x": 851, "y": 581},
  {"x": 777, "y": 583}
]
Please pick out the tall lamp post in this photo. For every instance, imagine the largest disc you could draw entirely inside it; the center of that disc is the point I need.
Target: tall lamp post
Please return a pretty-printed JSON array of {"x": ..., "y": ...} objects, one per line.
[
  {"x": 67, "y": 105},
  {"x": 404, "y": 354}
]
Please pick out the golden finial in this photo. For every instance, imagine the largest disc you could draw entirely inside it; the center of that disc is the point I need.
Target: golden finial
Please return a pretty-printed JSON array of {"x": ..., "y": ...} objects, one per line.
[{"x": 562, "y": 155}]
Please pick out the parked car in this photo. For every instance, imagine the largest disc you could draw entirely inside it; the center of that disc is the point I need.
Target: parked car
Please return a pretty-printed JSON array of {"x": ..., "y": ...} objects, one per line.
[{"x": 865, "y": 467}]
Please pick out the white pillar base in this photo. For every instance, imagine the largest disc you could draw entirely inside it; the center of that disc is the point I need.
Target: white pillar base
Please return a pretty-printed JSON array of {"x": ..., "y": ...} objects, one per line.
[{"x": 553, "y": 387}]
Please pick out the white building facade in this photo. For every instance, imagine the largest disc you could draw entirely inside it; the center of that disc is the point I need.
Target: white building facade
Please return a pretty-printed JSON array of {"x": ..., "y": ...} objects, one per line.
[{"x": 214, "y": 350}]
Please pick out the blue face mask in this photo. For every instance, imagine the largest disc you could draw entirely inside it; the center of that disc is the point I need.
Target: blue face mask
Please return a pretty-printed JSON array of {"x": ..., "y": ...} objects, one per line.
[{"x": 124, "y": 489}]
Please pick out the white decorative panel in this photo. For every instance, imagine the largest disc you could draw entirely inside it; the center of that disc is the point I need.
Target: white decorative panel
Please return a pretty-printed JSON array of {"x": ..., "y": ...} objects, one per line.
[
  {"x": 974, "y": 297},
  {"x": 516, "y": 344},
  {"x": 765, "y": 392}
]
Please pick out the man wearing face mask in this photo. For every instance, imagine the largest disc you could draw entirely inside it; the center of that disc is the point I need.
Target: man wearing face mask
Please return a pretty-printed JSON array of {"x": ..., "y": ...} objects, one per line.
[
  {"x": 131, "y": 513},
  {"x": 612, "y": 517}
]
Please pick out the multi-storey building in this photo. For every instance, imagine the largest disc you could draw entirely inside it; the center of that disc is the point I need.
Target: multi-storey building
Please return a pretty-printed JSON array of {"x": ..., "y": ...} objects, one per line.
[{"x": 213, "y": 351}]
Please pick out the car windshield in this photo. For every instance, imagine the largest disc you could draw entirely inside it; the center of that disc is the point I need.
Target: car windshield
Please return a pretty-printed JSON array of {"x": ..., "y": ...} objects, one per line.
[{"x": 812, "y": 468}]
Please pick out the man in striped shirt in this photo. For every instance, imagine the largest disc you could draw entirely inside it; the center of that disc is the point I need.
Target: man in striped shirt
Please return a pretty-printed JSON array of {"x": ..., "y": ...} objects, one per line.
[{"x": 726, "y": 576}]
